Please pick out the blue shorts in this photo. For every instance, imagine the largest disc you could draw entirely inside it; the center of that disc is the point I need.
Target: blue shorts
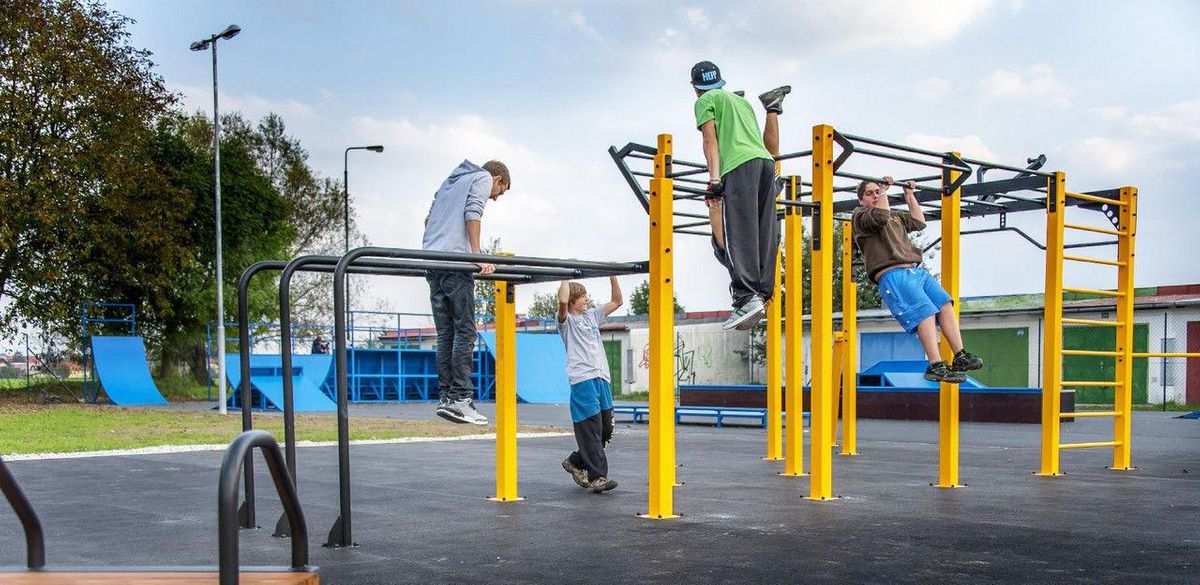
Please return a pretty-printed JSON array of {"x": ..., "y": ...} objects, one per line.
[
  {"x": 912, "y": 295},
  {"x": 589, "y": 397}
]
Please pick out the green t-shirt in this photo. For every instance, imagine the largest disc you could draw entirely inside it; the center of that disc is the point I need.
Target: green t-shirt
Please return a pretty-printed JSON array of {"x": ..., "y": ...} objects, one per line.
[{"x": 738, "y": 136}]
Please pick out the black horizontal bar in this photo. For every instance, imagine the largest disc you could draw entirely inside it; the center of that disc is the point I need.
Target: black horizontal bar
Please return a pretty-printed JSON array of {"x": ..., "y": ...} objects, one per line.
[
  {"x": 877, "y": 142},
  {"x": 1002, "y": 186},
  {"x": 915, "y": 161},
  {"x": 517, "y": 261},
  {"x": 1090, "y": 244},
  {"x": 693, "y": 232},
  {"x": 790, "y": 155},
  {"x": 686, "y": 173},
  {"x": 989, "y": 165},
  {"x": 685, "y": 214},
  {"x": 856, "y": 176},
  {"x": 690, "y": 224}
]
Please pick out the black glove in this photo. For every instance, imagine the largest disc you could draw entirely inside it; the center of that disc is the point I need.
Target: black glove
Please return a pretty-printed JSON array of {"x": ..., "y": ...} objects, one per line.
[{"x": 716, "y": 188}]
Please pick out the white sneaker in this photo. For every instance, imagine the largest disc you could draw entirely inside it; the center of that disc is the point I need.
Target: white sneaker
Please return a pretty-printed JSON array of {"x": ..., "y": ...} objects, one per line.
[{"x": 745, "y": 316}]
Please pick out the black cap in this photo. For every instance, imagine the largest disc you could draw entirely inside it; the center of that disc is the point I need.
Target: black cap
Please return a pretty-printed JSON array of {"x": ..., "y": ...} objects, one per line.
[{"x": 706, "y": 75}]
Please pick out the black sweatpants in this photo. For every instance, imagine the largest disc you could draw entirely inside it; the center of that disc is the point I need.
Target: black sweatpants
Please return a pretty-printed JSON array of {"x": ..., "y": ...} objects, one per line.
[
  {"x": 591, "y": 435},
  {"x": 751, "y": 229}
]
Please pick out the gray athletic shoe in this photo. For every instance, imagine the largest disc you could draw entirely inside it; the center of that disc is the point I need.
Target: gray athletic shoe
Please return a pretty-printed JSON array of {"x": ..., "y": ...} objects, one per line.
[
  {"x": 602, "y": 484},
  {"x": 461, "y": 411},
  {"x": 772, "y": 100},
  {"x": 745, "y": 316},
  {"x": 579, "y": 475}
]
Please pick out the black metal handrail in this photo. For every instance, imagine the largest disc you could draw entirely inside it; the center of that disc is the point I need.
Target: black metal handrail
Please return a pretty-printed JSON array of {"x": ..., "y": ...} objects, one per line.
[
  {"x": 35, "y": 540},
  {"x": 227, "y": 501}
]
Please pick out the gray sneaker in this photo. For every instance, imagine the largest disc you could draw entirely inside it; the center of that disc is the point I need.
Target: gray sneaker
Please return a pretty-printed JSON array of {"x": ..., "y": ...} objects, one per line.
[
  {"x": 461, "y": 411},
  {"x": 745, "y": 316},
  {"x": 772, "y": 100},
  {"x": 579, "y": 475},
  {"x": 602, "y": 484}
]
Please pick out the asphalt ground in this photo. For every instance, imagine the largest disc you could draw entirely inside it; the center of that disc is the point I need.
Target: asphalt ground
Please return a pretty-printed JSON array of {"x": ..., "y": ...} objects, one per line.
[{"x": 420, "y": 513}]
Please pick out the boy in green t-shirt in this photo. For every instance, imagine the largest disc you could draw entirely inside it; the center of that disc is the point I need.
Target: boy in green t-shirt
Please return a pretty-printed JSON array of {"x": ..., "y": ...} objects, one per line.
[{"x": 742, "y": 188}]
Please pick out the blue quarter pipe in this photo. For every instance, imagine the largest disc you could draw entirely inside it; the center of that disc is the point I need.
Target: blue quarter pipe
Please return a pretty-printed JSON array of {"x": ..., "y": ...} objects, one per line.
[{"x": 124, "y": 373}]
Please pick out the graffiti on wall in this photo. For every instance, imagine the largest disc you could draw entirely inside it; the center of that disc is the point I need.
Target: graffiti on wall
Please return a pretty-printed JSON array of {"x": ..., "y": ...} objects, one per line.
[{"x": 685, "y": 360}]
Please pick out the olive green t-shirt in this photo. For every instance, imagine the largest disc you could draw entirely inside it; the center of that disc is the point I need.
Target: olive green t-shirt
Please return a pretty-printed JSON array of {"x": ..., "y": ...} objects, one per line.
[
  {"x": 882, "y": 235},
  {"x": 738, "y": 136}
]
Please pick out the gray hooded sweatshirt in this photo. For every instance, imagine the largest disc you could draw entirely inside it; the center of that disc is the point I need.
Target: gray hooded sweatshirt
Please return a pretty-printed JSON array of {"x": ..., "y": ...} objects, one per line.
[{"x": 460, "y": 199}]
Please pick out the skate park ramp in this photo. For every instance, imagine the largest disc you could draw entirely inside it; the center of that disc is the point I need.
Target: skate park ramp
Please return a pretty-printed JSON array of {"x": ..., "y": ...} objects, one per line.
[
  {"x": 266, "y": 376},
  {"x": 124, "y": 373},
  {"x": 541, "y": 367},
  {"x": 910, "y": 374}
]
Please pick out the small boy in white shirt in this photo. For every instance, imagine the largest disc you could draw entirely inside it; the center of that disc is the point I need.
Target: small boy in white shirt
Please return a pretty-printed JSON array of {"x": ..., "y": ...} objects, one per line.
[{"x": 587, "y": 371}]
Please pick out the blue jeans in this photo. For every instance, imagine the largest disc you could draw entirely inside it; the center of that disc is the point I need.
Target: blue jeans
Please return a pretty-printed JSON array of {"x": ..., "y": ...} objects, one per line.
[{"x": 912, "y": 295}]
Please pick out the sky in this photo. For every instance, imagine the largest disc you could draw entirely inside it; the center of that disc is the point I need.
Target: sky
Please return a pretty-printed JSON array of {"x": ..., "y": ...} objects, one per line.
[{"x": 1108, "y": 90}]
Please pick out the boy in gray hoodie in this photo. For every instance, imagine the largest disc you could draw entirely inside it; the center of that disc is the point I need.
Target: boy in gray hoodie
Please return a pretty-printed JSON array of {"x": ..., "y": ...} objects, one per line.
[{"x": 453, "y": 225}]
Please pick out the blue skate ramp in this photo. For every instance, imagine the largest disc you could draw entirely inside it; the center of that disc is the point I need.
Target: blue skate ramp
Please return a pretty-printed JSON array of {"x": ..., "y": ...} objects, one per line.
[
  {"x": 910, "y": 374},
  {"x": 266, "y": 376},
  {"x": 123, "y": 371},
  {"x": 541, "y": 367}
]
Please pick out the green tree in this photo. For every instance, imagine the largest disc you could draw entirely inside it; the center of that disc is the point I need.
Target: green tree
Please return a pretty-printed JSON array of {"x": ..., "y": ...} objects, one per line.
[
  {"x": 639, "y": 301},
  {"x": 485, "y": 290},
  {"x": 544, "y": 306},
  {"x": 76, "y": 112}
]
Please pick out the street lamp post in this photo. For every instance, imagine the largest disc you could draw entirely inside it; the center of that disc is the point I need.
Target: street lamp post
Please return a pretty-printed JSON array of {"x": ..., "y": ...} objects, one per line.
[
  {"x": 200, "y": 45},
  {"x": 346, "y": 188}
]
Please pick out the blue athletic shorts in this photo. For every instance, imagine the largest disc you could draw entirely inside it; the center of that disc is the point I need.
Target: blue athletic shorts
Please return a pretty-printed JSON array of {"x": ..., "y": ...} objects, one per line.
[
  {"x": 912, "y": 295},
  {"x": 589, "y": 397}
]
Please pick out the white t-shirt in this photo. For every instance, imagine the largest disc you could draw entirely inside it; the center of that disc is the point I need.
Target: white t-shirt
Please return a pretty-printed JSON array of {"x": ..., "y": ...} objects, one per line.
[{"x": 585, "y": 350}]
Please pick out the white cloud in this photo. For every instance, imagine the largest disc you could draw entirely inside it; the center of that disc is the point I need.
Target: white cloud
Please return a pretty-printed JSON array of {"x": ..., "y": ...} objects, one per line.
[
  {"x": 970, "y": 146},
  {"x": 698, "y": 19},
  {"x": 252, "y": 106},
  {"x": 1179, "y": 121},
  {"x": 933, "y": 88},
  {"x": 872, "y": 23},
  {"x": 1107, "y": 155},
  {"x": 579, "y": 22},
  {"x": 1036, "y": 83}
]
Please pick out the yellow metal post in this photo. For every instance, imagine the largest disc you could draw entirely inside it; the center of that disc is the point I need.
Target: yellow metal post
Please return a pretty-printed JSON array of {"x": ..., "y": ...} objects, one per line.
[
  {"x": 850, "y": 345},
  {"x": 662, "y": 337},
  {"x": 1052, "y": 317},
  {"x": 774, "y": 369},
  {"x": 948, "y": 393},
  {"x": 821, "y": 397},
  {"x": 1123, "y": 396},
  {"x": 793, "y": 347},
  {"x": 506, "y": 393},
  {"x": 835, "y": 382}
]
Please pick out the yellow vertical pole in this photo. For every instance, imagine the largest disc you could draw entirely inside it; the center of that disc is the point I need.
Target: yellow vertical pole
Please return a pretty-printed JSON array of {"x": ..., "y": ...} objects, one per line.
[
  {"x": 506, "y": 393},
  {"x": 948, "y": 393},
  {"x": 774, "y": 369},
  {"x": 1056, "y": 188},
  {"x": 1123, "y": 396},
  {"x": 662, "y": 331},
  {"x": 793, "y": 347},
  {"x": 850, "y": 345},
  {"x": 821, "y": 470}
]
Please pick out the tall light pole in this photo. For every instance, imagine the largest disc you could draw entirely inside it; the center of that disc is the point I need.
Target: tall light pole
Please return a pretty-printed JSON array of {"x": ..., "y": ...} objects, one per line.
[
  {"x": 200, "y": 45},
  {"x": 346, "y": 187}
]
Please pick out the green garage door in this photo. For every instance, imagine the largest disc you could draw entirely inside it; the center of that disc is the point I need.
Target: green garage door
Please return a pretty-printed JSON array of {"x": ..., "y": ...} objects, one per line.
[
  {"x": 1005, "y": 353},
  {"x": 612, "y": 349},
  {"x": 1102, "y": 369}
]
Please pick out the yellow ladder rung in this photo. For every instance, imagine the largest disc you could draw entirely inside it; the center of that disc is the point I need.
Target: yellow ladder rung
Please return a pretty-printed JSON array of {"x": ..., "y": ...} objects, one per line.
[
  {"x": 1087, "y": 445},
  {"x": 1094, "y": 260},
  {"x": 1165, "y": 355},
  {"x": 1093, "y": 322},
  {"x": 1088, "y": 228},
  {"x": 1087, "y": 197},
  {"x": 1092, "y": 352},
  {"x": 1094, "y": 291},
  {"x": 1088, "y": 413},
  {"x": 1077, "y": 383}
]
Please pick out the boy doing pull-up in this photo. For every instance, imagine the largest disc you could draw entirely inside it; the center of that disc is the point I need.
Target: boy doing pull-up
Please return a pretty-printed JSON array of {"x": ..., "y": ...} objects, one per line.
[{"x": 915, "y": 299}]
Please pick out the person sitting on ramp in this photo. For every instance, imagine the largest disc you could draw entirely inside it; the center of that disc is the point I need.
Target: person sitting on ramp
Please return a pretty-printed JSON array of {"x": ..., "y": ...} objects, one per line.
[
  {"x": 587, "y": 371},
  {"x": 908, "y": 290}
]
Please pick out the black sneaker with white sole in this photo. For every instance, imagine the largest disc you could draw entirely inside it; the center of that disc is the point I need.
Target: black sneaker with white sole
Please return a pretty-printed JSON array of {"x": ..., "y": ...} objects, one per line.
[{"x": 772, "y": 100}]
